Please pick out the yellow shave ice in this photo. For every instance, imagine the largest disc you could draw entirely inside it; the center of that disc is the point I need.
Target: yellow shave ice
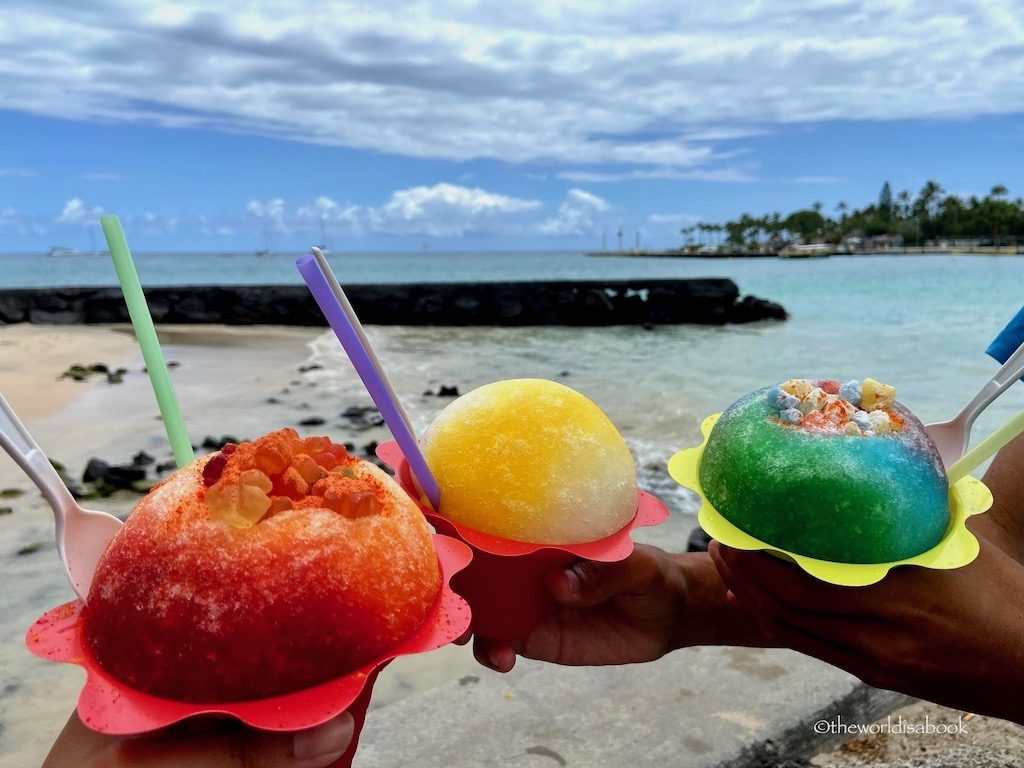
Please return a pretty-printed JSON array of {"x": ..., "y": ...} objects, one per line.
[{"x": 531, "y": 460}]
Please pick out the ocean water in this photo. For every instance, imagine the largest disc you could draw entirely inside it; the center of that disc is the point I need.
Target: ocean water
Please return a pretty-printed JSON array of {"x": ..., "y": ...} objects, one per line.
[{"x": 36, "y": 270}]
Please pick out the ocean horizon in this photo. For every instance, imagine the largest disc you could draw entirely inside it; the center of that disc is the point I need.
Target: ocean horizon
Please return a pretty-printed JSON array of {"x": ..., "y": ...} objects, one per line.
[{"x": 174, "y": 268}]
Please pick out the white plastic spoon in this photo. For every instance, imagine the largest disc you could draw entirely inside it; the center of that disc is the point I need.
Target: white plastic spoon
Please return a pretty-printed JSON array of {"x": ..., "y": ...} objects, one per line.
[
  {"x": 82, "y": 534},
  {"x": 987, "y": 448},
  {"x": 951, "y": 437}
]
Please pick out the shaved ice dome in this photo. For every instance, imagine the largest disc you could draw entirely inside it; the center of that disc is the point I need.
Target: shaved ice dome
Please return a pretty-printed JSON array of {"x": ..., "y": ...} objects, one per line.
[
  {"x": 531, "y": 460},
  {"x": 264, "y": 568},
  {"x": 847, "y": 475}
]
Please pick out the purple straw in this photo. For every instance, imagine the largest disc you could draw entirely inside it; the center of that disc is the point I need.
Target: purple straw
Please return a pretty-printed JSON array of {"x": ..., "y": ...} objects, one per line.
[{"x": 361, "y": 361}]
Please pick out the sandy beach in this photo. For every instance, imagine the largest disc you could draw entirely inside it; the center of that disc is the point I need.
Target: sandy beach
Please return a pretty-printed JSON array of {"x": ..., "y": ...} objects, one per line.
[
  {"x": 32, "y": 359},
  {"x": 224, "y": 380}
]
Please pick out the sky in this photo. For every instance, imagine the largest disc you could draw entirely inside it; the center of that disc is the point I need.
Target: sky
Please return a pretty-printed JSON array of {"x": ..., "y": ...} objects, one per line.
[{"x": 488, "y": 124}]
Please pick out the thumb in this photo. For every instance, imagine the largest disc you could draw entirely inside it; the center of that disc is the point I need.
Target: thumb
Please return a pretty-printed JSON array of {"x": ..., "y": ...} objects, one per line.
[{"x": 586, "y": 582}]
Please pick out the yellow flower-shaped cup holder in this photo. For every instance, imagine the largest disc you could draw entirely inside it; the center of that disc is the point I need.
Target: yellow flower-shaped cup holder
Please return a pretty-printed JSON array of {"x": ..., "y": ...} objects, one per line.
[{"x": 956, "y": 549}]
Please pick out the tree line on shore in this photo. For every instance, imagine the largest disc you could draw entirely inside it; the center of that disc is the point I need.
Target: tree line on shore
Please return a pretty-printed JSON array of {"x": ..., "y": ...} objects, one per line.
[{"x": 930, "y": 217}]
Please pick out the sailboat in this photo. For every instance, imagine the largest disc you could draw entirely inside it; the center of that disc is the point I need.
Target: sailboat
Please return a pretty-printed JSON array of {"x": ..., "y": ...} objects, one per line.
[
  {"x": 268, "y": 248},
  {"x": 62, "y": 250}
]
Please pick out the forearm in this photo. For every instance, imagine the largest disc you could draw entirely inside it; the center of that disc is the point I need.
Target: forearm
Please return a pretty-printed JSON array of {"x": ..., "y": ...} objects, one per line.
[
  {"x": 1003, "y": 524},
  {"x": 709, "y": 619}
]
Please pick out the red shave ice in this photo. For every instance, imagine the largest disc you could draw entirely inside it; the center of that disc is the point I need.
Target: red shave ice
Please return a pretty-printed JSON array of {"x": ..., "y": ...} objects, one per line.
[{"x": 262, "y": 569}]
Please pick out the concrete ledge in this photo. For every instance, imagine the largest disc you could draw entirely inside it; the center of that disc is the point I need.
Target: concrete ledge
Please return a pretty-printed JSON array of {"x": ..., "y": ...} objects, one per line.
[{"x": 696, "y": 708}]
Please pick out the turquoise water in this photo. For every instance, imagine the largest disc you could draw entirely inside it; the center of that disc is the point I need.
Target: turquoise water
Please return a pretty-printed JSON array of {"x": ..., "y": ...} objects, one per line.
[
  {"x": 857, "y": 277},
  {"x": 34, "y": 270}
]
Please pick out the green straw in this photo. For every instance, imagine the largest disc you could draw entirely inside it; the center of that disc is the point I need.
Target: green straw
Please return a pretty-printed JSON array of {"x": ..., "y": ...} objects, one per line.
[
  {"x": 986, "y": 448},
  {"x": 145, "y": 333}
]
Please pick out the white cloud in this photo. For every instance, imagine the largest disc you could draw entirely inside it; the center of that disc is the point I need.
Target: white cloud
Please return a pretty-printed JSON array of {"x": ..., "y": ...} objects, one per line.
[
  {"x": 327, "y": 216},
  {"x": 77, "y": 212},
  {"x": 15, "y": 173},
  {"x": 153, "y": 223},
  {"x": 14, "y": 222},
  {"x": 651, "y": 83},
  {"x": 9, "y": 217},
  {"x": 102, "y": 176},
  {"x": 208, "y": 226},
  {"x": 575, "y": 215},
  {"x": 446, "y": 210},
  {"x": 441, "y": 210},
  {"x": 271, "y": 214}
]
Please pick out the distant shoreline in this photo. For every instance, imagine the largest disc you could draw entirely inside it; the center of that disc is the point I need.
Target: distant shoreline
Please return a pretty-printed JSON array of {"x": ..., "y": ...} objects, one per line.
[{"x": 978, "y": 250}]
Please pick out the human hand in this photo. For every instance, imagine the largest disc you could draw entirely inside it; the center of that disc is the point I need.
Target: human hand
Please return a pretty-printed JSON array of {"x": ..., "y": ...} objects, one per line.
[
  {"x": 955, "y": 637},
  {"x": 630, "y": 611},
  {"x": 211, "y": 744}
]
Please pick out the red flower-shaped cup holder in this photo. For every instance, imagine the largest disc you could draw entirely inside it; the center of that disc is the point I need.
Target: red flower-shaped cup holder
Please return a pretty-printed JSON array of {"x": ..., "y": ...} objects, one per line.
[
  {"x": 109, "y": 706},
  {"x": 504, "y": 583}
]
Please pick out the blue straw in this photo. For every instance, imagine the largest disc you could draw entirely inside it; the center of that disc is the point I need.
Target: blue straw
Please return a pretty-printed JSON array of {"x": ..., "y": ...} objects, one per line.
[{"x": 1011, "y": 337}]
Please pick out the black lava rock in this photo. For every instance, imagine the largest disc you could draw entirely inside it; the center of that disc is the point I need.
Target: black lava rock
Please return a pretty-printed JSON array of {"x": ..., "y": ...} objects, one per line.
[
  {"x": 362, "y": 417},
  {"x": 124, "y": 476},
  {"x": 95, "y": 469},
  {"x": 142, "y": 459},
  {"x": 705, "y": 300},
  {"x": 697, "y": 541},
  {"x": 217, "y": 443}
]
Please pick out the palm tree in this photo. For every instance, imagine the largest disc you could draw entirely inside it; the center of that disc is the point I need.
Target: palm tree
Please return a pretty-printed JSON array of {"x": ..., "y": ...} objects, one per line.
[{"x": 903, "y": 209}]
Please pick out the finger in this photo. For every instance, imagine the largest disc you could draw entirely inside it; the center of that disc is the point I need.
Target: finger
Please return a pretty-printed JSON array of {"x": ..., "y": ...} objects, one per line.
[
  {"x": 715, "y": 552},
  {"x": 240, "y": 747},
  {"x": 844, "y": 641},
  {"x": 494, "y": 654},
  {"x": 765, "y": 608},
  {"x": 587, "y": 582},
  {"x": 793, "y": 586}
]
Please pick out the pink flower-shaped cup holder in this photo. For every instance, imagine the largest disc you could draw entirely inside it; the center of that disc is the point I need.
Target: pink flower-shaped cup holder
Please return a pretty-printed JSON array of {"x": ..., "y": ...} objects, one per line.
[
  {"x": 109, "y": 706},
  {"x": 504, "y": 583}
]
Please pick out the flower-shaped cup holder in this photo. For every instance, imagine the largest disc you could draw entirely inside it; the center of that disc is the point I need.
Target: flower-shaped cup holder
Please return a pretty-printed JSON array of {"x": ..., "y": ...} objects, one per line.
[
  {"x": 957, "y": 548},
  {"x": 504, "y": 583},
  {"x": 109, "y": 706}
]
